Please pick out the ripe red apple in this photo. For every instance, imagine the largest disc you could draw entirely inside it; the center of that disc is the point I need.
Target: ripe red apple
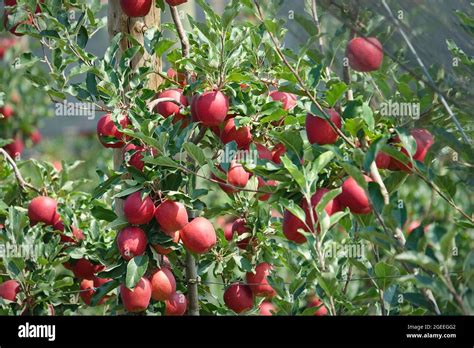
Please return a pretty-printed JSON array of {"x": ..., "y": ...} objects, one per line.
[
  {"x": 169, "y": 108},
  {"x": 287, "y": 99},
  {"x": 88, "y": 287},
  {"x": 138, "y": 299},
  {"x": 163, "y": 284},
  {"x": 172, "y": 216},
  {"x": 263, "y": 152},
  {"x": 262, "y": 183},
  {"x": 332, "y": 207},
  {"x": 211, "y": 108},
  {"x": 315, "y": 302},
  {"x": 241, "y": 136},
  {"x": 15, "y": 148},
  {"x": 108, "y": 133},
  {"x": 238, "y": 297},
  {"x": 198, "y": 236},
  {"x": 258, "y": 282},
  {"x": 43, "y": 209},
  {"x": 83, "y": 268},
  {"x": 319, "y": 130},
  {"x": 36, "y": 137},
  {"x": 77, "y": 234},
  {"x": 175, "y": 2},
  {"x": 136, "y": 154},
  {"x": 353, "y": 197},
  {"x": 382, "y": 160},
  {"x": 165, "y": 251},
  {"x": 278, "y": 151},
  {"x": 364, "y": 54},
  {"x": 228, "y": 233},
  {"x": 291, "y": 225},
  {"x": 7, "y": 111},
  {"x": 9, "y": 290},
  {"x": 424, "y": 140},
  {"x": 136, "y": 8},
  {"x": 176, "y": 305},
  {"x": 138, "y": 211},
  {"x": 131, "y": 242},
  {"x": 176, "y": 76},
  {"x": 240, "y": 227},
  {"x": 266, "y": 308},
  {"x": 237, "y": 175}
]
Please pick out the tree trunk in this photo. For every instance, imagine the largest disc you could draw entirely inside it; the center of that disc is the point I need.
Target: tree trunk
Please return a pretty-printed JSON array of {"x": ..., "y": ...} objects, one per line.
[{"x": 118, "y": 22}]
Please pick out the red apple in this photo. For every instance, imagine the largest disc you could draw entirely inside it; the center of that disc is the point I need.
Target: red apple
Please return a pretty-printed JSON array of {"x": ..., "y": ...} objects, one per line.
[
  {"x": 353, "y": 197},
  {"x": 240, "y": 227},
  {"x": 83, "y": 268},
  {"x": 131, "y": 242},
  {"x": 175, "y": 2},
  {"x": 237, "y": 175},
  {"x": 176, "y": 76},
  {"x": 382, "y": 160},
  {"x": 43, "y": 209},
  {"x": 258, "y": 281},
  {"x": 315, "y": 302},
  {"x": 9, "y": 290},
  {"x": 319, "y": 130},
  {"x": 88, "y": 289},
  {"x": 165, "y": 251},
  {"x": 172, "y": 216},
  {"x": 163, "y": 284},
  {"x": 77, "y": 234},
  {"x": 176, "y": 305},
  {"x": 263, "y": 152},
  {"x": 169, "y": 108},
  {"x": 228, "y": 233},
  {"x": 15, "y": 148},
  {"x": 108, "y": 133},
  {"x": 278, "y": 151},
  {"x": 364, "y": 54},
  {"x": 36, "y": 137},
  {"x": 263, "y": 183},
  {"x": 198, "y": 236},
  {"x": 287, "y": 99},
  {"x": 332, "y": 207},
  {"x": 424, "y": 140},
  {"x": 291, "y": 225},
  {"x": 266, "y": 309},
  {"x": 241, "y": 135},
  {"x": 238, "y": 297},
  {"x": 136, "y": 154},
  {"x": 138, "y": 211},
  {"x": 136, "y": 8},
  {"x": 7, "y": 111},
  {"x": 211, "y": 108},
  {"x": 138, "y": 299}
]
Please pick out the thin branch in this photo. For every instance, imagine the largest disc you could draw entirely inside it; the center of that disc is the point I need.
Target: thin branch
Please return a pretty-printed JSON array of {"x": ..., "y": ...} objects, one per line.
[
  {"x": 21, "y": 181},
  {"x": 426, "y": 72},
  {"x": 299, "y": 79}
]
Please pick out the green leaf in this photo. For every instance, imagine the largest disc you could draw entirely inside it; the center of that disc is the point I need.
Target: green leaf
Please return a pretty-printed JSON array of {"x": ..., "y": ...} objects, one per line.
[
  {"x": 386, "y": 273},
  {"x": 421, "y": 260},
  {"x": 196, "y": 153},
  {"x": 104, "y": 290},
  {"x": 136, "y": 268},
  {"x": 297, "y": 175},
  {"x": 335, "y": 92}
]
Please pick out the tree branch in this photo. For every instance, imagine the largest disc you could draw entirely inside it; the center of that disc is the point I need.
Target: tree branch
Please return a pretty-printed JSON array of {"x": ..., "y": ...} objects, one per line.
[{"x": 19, "y": 178}]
